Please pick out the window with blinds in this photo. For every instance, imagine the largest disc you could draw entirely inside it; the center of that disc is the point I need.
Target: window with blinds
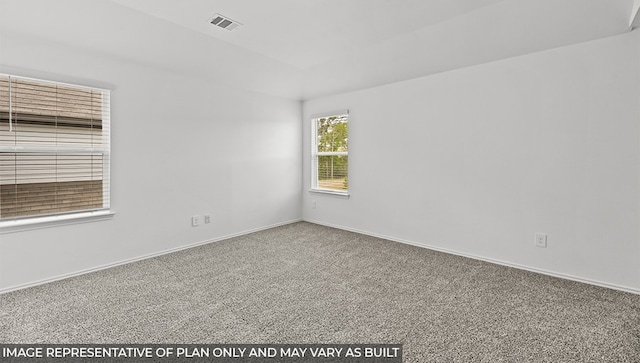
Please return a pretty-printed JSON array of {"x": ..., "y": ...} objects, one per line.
[
  {"x": 330, "y": 153},
  {"x": 54, "y": 148}
]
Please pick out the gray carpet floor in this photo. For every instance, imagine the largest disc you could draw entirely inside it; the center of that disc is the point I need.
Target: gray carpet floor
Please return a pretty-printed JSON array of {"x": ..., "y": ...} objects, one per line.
[{"x": 304, "y": 283}]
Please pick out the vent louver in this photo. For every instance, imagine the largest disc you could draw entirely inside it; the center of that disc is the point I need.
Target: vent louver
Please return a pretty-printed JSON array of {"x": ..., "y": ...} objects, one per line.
[{"x": 224, "y": 22}]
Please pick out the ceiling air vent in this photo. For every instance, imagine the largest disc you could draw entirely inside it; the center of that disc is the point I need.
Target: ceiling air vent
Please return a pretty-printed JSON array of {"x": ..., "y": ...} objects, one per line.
[{"x": 224, "y": 22}]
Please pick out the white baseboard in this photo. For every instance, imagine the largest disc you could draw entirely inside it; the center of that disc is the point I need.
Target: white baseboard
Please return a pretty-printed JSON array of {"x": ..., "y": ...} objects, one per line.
[
  {"x": 413, "y": 243},
  {"x": 144, "y": 257},
  {"x": 482, "y": 258}
]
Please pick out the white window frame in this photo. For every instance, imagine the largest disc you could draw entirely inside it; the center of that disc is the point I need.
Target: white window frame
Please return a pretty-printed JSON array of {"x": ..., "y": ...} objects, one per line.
[
  {"x": 315, "y": 154},
  {"x": 72, "y": 217}
]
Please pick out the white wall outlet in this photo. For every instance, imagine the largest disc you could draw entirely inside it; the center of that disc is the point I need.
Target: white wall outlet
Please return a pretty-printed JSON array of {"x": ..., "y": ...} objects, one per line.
[
  {"x": 541, "y": 240},
  {"x": 313, "y": 204},
  {"x": 207, "y": 218},
  {"x": 195, "y": 221}
]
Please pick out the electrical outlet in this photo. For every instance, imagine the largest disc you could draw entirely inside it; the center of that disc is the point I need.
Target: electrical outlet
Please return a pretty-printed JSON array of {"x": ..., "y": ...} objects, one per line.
[
  {"x": 207, "y": 218},
  {"x": 313, "y": 204},
  {"x": 541, "y": 240},
  {"x": 195, "y": 221}
]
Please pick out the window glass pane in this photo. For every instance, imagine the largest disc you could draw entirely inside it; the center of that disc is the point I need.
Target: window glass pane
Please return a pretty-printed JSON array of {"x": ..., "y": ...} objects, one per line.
[
  {"x": 28, "y": 199},
  {"x": 6, "y": 138},
  {"x": 332, "y": 172},
  {"x": 332, "y": 134},
  {"x": 54, "y": 148}
]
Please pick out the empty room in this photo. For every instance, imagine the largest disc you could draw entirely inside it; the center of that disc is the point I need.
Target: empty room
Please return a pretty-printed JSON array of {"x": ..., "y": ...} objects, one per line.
[{"x": 320, "y": 180}]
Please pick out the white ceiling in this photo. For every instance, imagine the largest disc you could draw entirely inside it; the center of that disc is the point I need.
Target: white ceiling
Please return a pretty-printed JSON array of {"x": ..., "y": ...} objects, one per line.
[
  {"x": 308, "y": 48},
  {"x": 310, "y": 32}
]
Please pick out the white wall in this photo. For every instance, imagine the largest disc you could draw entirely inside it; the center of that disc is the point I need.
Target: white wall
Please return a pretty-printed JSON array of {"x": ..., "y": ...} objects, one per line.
[
  {"x": 473, "y": 161},
  {"x": 477, "y": 160},
  {"x": 633, "y": 21},
  {"x": 180, "y": 146}
]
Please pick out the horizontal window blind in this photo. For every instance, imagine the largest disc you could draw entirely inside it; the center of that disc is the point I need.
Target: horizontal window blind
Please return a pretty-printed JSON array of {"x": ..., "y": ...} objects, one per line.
[{"x": 54, "y": 148}]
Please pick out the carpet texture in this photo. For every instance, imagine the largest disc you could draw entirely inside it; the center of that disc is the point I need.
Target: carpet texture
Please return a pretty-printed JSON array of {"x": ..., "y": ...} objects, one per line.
[{"x": 304, "y": 283}]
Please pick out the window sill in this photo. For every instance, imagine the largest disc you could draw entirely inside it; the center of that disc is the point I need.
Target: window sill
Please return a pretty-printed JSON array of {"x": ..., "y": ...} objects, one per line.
[
  {"x": 334, "y": 193},
  {"x": 28, "y": 224}
]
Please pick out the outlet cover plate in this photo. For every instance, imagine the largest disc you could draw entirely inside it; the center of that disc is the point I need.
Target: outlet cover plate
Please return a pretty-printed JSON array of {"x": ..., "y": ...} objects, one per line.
[{"x": 541, "y": 240}]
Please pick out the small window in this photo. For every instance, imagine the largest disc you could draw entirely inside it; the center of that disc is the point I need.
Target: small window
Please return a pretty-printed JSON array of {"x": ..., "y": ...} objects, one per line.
[
  {"x": 330, "y": 153},
  {"x": 54, "y": 148}
]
